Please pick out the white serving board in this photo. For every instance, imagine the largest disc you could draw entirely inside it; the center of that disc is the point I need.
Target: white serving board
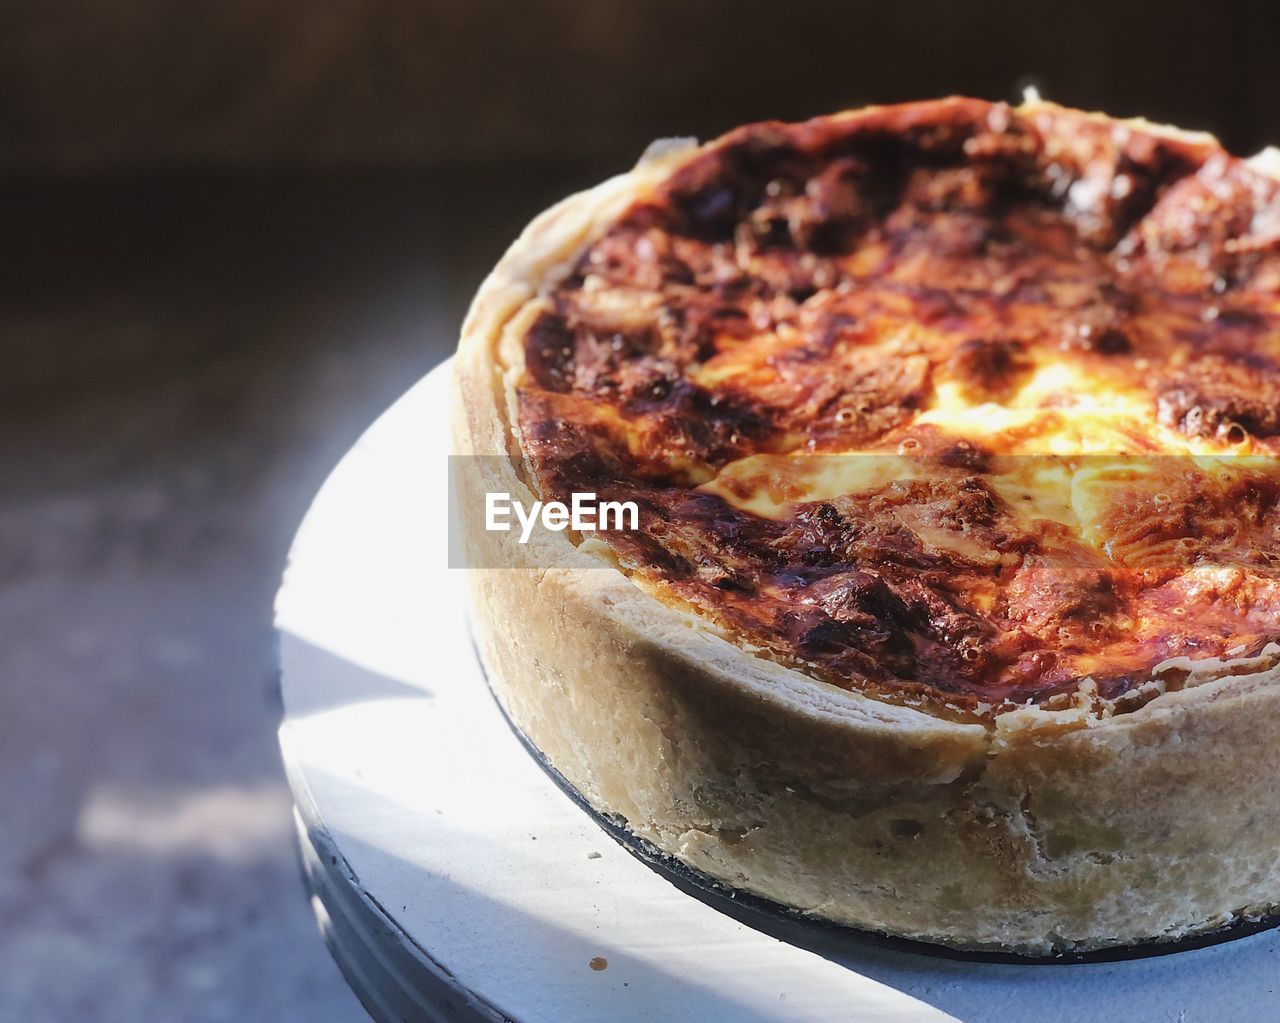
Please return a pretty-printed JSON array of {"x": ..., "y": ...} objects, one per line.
[{"x": 454, "y": 881}]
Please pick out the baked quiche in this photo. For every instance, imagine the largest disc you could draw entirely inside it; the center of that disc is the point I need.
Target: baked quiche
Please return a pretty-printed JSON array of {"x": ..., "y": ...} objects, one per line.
[{"x": 951, "y": 607}]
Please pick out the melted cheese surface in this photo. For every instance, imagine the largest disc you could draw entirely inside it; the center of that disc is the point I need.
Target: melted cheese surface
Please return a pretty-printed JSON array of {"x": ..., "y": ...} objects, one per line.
[
  {"x": 949, "y": 402},
  {"x": 1065, "y": 447}
]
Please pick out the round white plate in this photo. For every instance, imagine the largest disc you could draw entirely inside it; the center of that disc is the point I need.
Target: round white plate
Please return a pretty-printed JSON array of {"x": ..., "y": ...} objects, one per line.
[{"x": 454, "y": 881}]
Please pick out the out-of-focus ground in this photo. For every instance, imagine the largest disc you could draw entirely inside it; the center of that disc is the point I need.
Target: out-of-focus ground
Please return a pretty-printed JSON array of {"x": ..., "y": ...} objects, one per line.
[{"x": 186, "y": 358}]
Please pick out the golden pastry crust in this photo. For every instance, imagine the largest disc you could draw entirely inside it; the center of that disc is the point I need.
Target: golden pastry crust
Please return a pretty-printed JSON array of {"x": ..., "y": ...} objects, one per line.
[{"x": 1036, "y": 829}]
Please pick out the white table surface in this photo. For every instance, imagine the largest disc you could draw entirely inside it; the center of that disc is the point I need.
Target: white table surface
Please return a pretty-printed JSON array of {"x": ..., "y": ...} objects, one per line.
[{"x": 453, "y": 880}]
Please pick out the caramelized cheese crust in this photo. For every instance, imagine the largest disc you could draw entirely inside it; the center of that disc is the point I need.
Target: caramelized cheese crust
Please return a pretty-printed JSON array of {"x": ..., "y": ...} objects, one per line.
[{"x": 951, "y": 402}]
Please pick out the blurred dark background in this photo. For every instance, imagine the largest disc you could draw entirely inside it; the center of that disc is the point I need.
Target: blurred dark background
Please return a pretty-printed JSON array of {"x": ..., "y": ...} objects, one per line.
[{"x": 233, "y": 233}]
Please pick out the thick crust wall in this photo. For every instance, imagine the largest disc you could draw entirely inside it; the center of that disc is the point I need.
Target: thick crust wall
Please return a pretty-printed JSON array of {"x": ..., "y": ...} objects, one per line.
[{"x": 1038, "y": 832}]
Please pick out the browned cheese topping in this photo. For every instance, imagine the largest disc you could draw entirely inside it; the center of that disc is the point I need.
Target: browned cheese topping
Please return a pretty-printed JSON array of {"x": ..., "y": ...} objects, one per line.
[{"x": 953, "y": 403}]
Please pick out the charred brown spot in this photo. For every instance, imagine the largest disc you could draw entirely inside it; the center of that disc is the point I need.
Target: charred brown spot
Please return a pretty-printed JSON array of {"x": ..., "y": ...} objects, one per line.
[
  {"x": 966, "y": 455},
  {"x": 1224, "y": 397},
  {"x": 987, "y": 368},
  {"x": 548, "y": 352}
]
